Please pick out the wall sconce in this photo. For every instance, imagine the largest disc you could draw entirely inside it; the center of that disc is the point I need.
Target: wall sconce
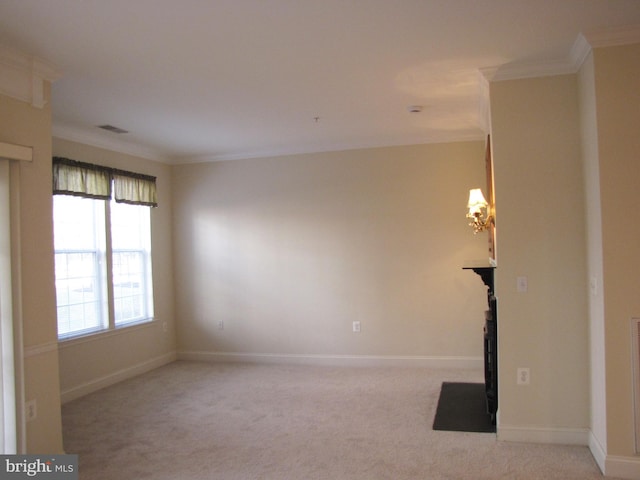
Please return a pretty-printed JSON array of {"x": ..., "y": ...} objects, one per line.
[{"x": 480, "y": 212}]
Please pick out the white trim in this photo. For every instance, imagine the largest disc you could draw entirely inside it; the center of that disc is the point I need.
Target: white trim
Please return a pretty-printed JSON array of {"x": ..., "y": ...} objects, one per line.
[
  {"x": 580, "y": 51},
  {"x": 484, "y": 103},
  {"x": 517, "y": 71},
  {"x": 635, "y": 379},
  {"x": 23, "y": 76},
  {"x": 8, "y": 414},
  {"x": 40, "y": 349},
  {"x": 599, "y": 455},
  {"x": 101, "y": 139},
  {"x": 116, "y": 377},
  {"x": 16, "y": 285},
  {"x": 18, "y": 60},
  {"x": 614, "y": 36},
  {"x": 102, "y": 334},
  {"x": 470, "y": 135},
  {"x": 622, "y": 467},
  {"x": 531, "y": 434},
  {"x": 335, "y": 360},
  {"x": 109, "y": 141},
  {"x": 610, "y": 37},
  {"x": 583, "y": 44},
  {"x": 16, "y": 152},
  {"x": 614, "y": 465}
]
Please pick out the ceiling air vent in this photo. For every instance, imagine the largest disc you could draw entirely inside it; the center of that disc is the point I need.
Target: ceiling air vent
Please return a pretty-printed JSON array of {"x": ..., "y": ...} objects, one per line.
[{"x": 113, "y": 129}]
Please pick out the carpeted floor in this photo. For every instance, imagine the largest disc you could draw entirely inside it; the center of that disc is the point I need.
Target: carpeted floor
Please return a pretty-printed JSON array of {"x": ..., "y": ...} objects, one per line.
[{"x": 196, "y": 421}]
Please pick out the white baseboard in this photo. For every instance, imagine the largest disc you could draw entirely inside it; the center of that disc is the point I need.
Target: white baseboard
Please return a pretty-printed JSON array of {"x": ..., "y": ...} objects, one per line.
[
  {"x": 614, "y": 465},
  {"x": 599, "y": 454},
  {"x": 610, "y": 465},
  {"x": 335, "y": 360},
  {"x": 559, "y": 436},
  {"x": 622, "y": 467},
  {"x": 115, "y": 377}
]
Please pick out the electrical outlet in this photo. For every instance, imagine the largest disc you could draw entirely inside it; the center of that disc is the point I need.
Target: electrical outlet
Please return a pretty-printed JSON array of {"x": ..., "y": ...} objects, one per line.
[
  {"x": 220, "y": 325},
  {"x": 523, "y": 376},
  {"x": 165, "y": 326},
  {"x": 31, "y": 410},
  {"x": 356, "y": 327}
]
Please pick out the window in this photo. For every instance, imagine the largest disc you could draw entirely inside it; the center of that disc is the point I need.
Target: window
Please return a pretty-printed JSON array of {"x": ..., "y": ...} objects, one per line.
[
  {"x": 102, "y": 254},
  {"x": 81, "y": 269},
  {"x": 131, "y": 260}
]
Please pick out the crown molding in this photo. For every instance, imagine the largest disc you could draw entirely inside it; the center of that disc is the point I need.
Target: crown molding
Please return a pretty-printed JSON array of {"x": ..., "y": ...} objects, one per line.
[
  {"x": 584, "y": 43},
  {"x": 484, "y": 103},
  {"x": 614, "y": 36},
  {"x": 465, "y": 136},
  {"x": 580, "y": 51},
  {"x": 100, "y": 140},
  {"x": 609, "y": 37},
  {"x": 520, "y": 70},
  {"x": 23, "y": 76}
]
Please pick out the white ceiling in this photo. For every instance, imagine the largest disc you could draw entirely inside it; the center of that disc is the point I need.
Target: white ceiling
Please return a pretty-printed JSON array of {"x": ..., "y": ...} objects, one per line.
[{"x": 198, "y": 80}]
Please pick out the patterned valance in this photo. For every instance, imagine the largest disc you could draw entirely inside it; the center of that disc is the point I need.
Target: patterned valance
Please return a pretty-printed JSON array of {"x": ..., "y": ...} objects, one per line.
[{"x": 71, "y": 177}]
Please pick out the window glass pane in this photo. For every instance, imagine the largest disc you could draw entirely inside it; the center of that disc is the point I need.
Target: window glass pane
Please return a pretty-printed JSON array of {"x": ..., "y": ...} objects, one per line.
[
  {"x": 131, "y": 260},
  {"x": 79, "y": 264},
  {"x": 74, "y": 222}
]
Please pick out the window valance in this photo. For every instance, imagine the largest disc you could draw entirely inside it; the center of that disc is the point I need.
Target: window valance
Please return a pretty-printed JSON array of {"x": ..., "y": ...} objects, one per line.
[{"x": 71, "y": 177}]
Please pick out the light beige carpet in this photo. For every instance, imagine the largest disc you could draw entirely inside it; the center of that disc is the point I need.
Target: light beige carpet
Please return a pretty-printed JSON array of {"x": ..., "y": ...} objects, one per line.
[{"x": 192, "y": 420}]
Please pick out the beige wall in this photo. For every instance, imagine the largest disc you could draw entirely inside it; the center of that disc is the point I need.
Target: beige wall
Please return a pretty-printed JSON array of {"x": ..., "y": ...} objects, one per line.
[
  {"x": 541, "y": 231},
  {"x": 34, "y": 288},
  {"x": 538, "y": 182},
  {"x": 617, "y": 70},
  {"x": 99, "y": 360},
  {"x": 289, "y": 251}
]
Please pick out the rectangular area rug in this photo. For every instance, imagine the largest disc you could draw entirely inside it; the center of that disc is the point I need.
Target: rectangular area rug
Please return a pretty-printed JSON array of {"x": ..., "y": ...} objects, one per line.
[{"x": 462, "y": 407}]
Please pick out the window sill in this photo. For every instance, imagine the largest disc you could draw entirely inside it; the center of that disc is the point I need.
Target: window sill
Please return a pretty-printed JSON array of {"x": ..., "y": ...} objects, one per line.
[{"x": 102, "y": 334}]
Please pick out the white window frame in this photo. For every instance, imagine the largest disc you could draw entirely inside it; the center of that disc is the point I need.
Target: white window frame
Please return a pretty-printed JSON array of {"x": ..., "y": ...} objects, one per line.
[
  {"x": 105, "y": 279},
  {"x": 147, "y": 268},
  {"x": 12, "y": 432}
]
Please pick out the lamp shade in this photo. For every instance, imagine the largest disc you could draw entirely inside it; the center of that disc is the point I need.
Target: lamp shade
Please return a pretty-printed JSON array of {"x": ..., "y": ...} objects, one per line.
[{"x": 476, "y": 201}]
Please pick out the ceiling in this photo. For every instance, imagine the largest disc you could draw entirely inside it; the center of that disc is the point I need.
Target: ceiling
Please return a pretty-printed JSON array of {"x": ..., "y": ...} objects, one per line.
[{"x": 205, "y": 80}]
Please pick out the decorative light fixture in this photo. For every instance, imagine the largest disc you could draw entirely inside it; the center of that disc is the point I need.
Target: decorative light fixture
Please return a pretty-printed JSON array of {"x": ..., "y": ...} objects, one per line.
[{"x": 480, "y": 212}]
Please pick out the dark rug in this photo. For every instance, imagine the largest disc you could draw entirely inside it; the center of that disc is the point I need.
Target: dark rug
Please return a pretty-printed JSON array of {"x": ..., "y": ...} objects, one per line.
[{"x": 462, "y": 407}]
